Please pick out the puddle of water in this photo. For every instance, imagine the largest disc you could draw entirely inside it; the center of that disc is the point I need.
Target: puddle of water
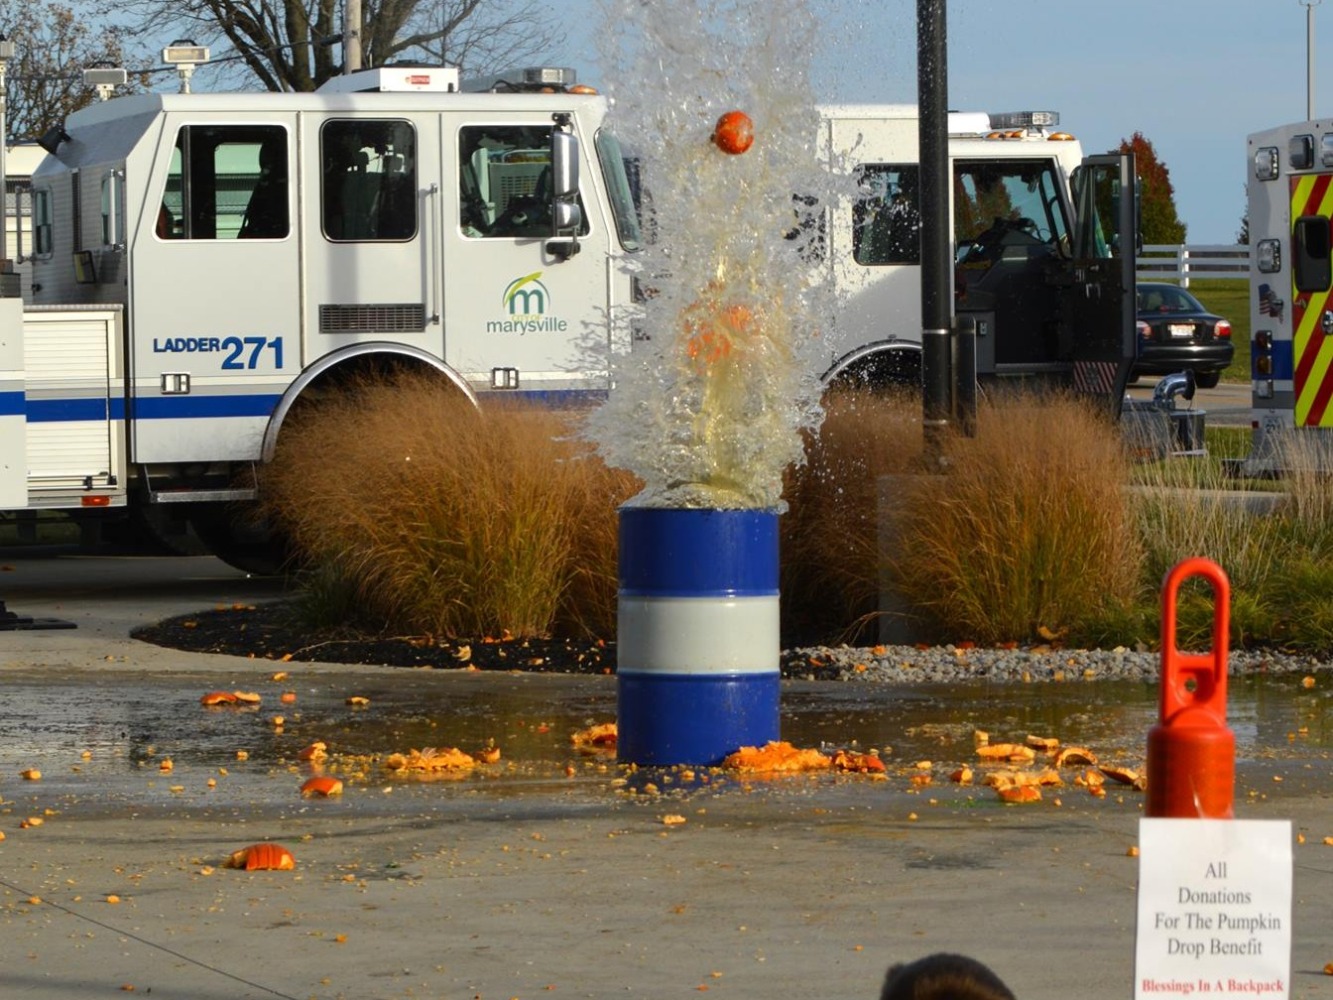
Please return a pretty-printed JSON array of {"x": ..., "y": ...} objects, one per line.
[{"x": 128, "y": 725}]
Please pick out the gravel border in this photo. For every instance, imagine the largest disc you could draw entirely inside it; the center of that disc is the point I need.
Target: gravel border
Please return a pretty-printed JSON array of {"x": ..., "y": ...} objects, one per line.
[{"x": 952, "y": 664}]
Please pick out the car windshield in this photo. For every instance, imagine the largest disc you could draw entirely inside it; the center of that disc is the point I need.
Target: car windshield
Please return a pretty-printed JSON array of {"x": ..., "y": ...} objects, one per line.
[{"x": 1167, "y": 299}]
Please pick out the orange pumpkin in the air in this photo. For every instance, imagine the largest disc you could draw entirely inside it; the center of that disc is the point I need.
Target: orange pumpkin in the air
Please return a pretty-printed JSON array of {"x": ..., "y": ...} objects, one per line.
[{"x": 734, "y": 133}]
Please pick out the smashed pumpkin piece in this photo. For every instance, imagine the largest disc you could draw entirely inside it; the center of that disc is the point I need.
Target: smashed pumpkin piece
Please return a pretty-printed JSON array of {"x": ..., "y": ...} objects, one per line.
[
  {"x": 599, "y": 737},
  {"x": 1042, "y": 742},
  {"x": 30, "y": 774},
  {"x": 1019, "y": 779},
  {"x": 776, "y": 755},
  {"x": 858, "y": 763},
  {"x": 1019, "y": 793},
  {"x": 261, "y": 857},
  {"x": 1071, "y": 756},
  {"x": 1125, "y": 776},
  {"x": 430, "y": 759},
  {"x": 217, "y": 698},
  {"x": 1006, "y": 751},
  {"x": 488, "y": 755},
  {"x": 961, "y": 775},
  {"x": 315, "y": 751},
  {"x": 322, "y": 786},
  {"x": 247, "y": 697}
]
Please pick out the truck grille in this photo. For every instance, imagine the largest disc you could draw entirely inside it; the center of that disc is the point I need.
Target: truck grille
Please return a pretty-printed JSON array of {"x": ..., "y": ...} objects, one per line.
[{"x": 405, "y": 317}]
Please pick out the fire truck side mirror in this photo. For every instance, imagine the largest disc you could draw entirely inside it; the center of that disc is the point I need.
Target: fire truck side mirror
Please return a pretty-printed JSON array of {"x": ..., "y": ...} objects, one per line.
[
  {"x": 564, "y": 165},
  {"x": 566, "y": 216}
]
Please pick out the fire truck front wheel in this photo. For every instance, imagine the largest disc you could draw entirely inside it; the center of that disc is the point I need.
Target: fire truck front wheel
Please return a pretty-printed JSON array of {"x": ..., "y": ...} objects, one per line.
[{"x": 240, "y": 537}]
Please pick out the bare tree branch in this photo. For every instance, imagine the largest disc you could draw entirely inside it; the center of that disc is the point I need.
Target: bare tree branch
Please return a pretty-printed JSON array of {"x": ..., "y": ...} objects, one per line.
[
  {"x": 52, "y": 47},
  {"x": 284, "y": 44}
]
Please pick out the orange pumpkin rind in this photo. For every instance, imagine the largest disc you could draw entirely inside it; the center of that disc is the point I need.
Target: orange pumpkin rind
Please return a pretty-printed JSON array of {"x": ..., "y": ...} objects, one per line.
[
  {"x": 262, "y": 857},
  {"x": 1070, "y": 756},
  {"x": 1019, "y": 793},
  {"x": 322, "y": 786}
]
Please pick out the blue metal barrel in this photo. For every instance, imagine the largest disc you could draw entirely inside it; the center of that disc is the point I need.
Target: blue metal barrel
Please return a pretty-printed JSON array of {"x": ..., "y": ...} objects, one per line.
[{"x": 697, "y": 634}]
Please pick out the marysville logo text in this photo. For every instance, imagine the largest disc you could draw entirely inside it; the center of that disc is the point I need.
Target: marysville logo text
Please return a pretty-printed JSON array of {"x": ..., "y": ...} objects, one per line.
[{"x": 527, "y": 308}]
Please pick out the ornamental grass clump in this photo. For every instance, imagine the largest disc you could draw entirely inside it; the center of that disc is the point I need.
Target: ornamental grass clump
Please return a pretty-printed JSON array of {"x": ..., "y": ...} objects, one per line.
[
  {"x": 414, "y": 513},
  {"x": 831, "y": 530},
  {"x": 1026, "y": 535}
]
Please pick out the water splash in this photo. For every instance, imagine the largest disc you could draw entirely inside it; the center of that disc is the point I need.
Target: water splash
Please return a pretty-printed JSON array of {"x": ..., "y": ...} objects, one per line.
[{"x": 709, "y": 407}]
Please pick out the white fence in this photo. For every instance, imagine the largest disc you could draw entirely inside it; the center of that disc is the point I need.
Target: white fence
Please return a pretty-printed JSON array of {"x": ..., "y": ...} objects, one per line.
[{"x": 1193, "y": 260}]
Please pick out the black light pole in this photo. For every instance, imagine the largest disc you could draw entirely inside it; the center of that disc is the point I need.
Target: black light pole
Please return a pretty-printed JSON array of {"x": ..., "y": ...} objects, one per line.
[{"x": 932, "y": 73}]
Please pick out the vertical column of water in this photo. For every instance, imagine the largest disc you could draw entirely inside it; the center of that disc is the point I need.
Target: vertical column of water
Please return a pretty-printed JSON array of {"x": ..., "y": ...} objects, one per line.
[
  {"x": 709, "y": 406},
  {"x": 698, "y": 653}
]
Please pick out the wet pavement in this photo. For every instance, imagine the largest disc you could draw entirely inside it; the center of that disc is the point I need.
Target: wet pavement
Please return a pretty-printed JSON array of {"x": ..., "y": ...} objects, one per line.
[{"x": 552, "y": 871}]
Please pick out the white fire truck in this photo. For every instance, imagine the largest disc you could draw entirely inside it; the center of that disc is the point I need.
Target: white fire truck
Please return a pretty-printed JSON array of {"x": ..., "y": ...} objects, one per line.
[
  {"x": 202, "y": 263},
  {"x": 1290, "y": 205},
  {"x": 1038, "y": 233}
]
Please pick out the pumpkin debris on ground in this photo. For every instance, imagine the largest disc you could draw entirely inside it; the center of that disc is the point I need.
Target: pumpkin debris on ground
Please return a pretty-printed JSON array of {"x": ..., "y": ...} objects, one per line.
[
  {"x": 600, "y": 737},
  {"x": 262, "y": 857},
  {"x": 322, "y": 786},
  {"x": 430, "y": 759},
  {"x": 776, "y": 755}
]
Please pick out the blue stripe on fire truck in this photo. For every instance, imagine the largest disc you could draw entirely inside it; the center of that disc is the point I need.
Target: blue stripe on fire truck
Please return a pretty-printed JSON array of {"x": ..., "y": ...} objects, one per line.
[
  {"x": 175, "y": 408},
  {"x": 11, "y": 404}
]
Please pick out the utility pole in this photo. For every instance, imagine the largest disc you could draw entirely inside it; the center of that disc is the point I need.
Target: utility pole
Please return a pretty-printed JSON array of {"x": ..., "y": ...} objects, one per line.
[
  {"x": 351, "y": 36},
  {"x": 1309, "y": 6},
  {"x": 932, "y": 70},
  {"x": 6, "y": 54}
]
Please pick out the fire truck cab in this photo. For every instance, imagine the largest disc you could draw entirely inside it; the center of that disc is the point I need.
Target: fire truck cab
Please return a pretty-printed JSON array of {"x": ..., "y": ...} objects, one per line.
[
  {"x": 1044, "y": 244},
  {"x": 202, "y": 263}
]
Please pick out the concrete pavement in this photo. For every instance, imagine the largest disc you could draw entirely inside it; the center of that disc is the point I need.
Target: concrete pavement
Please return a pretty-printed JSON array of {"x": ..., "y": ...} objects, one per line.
[{"x": 554, "y": 874}]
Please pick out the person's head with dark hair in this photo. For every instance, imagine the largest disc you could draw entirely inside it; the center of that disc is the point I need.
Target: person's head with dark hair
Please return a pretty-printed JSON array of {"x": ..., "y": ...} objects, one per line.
[{"x": 943, "y": 977}]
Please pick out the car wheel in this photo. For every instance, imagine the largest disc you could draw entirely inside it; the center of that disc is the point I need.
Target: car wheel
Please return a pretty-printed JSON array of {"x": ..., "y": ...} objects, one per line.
[{"x": 1207, "y": 380}]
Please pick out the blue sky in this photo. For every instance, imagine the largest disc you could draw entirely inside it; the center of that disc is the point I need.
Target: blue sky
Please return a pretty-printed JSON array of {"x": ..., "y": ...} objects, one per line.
[{"x": 1194, "y": 76}]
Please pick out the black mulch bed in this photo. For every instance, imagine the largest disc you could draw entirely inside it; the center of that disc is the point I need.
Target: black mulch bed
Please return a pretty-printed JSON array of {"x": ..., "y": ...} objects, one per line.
[{"x": 271, "y": 632}]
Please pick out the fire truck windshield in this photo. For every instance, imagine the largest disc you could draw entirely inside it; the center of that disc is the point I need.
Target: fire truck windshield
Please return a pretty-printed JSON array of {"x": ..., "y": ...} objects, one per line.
[{"x": 612, "y": 160}]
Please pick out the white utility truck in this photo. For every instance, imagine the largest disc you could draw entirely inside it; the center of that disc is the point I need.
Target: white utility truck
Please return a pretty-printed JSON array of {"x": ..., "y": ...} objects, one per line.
[
  {"x": 1290, "y": 204},
  {"x": 1044, "y": 249},
  {"x": 203, "y": 263}
]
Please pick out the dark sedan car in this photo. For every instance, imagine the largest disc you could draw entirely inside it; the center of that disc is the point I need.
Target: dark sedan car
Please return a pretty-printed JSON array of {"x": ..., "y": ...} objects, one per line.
[{"x": 1176, "y": 332}]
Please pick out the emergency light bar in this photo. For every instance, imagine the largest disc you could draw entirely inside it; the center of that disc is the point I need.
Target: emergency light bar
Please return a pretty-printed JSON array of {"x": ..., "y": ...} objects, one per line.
[
  {"x": 1025, "y": 119},
  {"x": 529, "y": 78},
  {"x": 394, "y": 79}
]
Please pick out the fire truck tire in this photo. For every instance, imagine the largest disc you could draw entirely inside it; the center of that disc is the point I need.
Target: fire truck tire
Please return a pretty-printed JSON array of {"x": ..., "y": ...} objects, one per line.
[{"x": 238, "y": 537}]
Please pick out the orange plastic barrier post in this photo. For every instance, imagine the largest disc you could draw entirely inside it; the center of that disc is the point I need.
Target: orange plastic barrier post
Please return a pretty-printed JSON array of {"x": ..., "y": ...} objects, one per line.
[{"x": 1191, "y": 752}]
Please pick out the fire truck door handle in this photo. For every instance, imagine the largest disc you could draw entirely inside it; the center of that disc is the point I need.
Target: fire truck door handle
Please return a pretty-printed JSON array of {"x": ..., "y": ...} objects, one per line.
[
  {"x": 1326, "y": 322},
  {"x": 433, "y": 249}
]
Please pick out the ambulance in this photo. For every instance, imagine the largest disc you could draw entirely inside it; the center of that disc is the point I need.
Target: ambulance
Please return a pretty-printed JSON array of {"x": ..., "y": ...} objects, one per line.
[
  {"x": 1290, "y": 203},
  {"x": 203, "y": 263}
]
